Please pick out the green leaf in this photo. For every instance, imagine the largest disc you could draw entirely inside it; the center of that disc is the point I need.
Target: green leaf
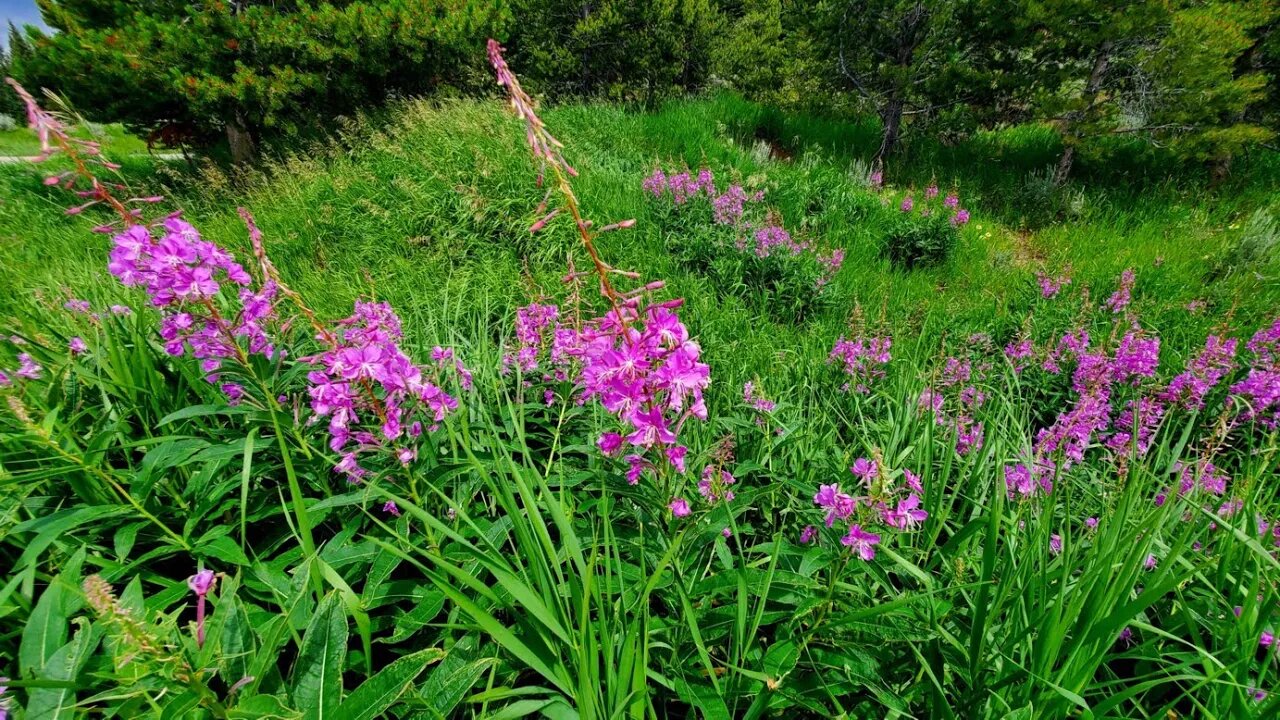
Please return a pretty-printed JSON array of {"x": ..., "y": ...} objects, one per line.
[
  {"x": 196, "y": 411},
  {"x": 262, "y": 707},
  {"x": 317, "y": 686},
  {"x": 45, "y": 631},
  {"x": 63, "y": 665},
  {"x": 448, "y": 684},
  {"x": 381, "y": 691}
]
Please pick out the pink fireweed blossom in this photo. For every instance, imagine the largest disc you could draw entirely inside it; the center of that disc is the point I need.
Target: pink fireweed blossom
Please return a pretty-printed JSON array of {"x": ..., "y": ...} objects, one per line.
[
  {"x": 373, "y": 394},
  {"x": 960, "y": 218},
  {"x": 390, "y": 508},
  {"x": 907, "y": 204},
  {"x": 931, "y": 192},
  {"x": 1202, "y": 374},
  {"x": 864, "y": 359},
  {"x": 656, "y": 183},
  {"x": 78, "y": 306},
  {"x": 679, "y": 507},
  {"x": 951, "y": 201},
  {"x": 1019, "y": 354},
  {"x": 1018, "y": 481},
  {"x": 865, "y": 470},
  {"x": 839, "y": 505},
  {"x": 1123, "y": 294},
  {"x": 1055, "y": 544},
  {"x": 907, "y": 515},
  {"x": 1051, "y": 286},
  {"x": 184, "y": 277},
  {"x": 28, "y": 368},
  {"x": 201, "y": 583},
  {"x": 714, "y": 485},
  {"x": 77, "y": 345},
  {"x": 862, "y": 543},
  {"x": 808, "y": 534}
]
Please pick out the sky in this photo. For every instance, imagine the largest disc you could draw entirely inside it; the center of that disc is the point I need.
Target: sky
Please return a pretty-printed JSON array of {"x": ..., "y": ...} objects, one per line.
[{"x": 21, "y": 12}]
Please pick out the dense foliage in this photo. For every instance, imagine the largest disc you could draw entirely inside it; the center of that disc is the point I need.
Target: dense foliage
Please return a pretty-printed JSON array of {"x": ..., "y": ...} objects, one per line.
[
  {"x": 179, "y": 71},
  {"x": 237, "y": 488},
  {"x": 1191, "y": 78}
]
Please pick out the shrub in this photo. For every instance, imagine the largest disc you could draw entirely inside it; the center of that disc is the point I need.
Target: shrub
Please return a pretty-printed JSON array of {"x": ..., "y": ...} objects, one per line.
[
  {"x": 924, "y": 232},
  {"x": 731, "y": 236}
]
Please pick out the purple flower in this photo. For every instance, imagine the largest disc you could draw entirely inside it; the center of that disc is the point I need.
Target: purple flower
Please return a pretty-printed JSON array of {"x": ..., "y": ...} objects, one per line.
[
  {"x": 656, "y": 183},
  {"x": 1267, "y": 639},
  {"x": 839, "y": 505},
  {"x": 1049, "y": 286},
  {"x": 390, "y": 508},
  {"x": 77, "y": 345},
  {"x": 79, "y": 306},
  {"x": 864, "y": 358},
  {"x": 808, "y": 534},
  {"x": 201, "y": 584},
  {"x": 913, "y": 481},
  {"x": 121, "y": 310},
  {"x": 1202, "y": 374},
  {"x": 714, "y": 485},
  {"x": 1121, "y": 298},
  {"x": 931, "y": 192},
  {"x": 907, "y": 515},
  {"x": 679, "y": 507},
  {"x": 1018, "y": 482},
  {"x": 865, "y": 470},
  {"x": 861, "y": 542},
  {"x": 1091, "y": 523},
  {"x": 727, "y": 533},
  {"x": 1150, "y": 562},
  {"x": 1055, "y": 544},
  {"x": 28, "y": 368},
  {"x": 610, "y": 443},
  {"x": 907, "y": 204},
  {"x": 951, "y": 201}
]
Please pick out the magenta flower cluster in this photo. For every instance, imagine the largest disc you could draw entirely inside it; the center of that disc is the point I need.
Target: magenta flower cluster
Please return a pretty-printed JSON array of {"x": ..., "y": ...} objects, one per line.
[
  {"x": 184, "y": 275},
  {"x": 897, "y": 506},
  {"x": 864, "y": 359},
  {"x": 1259, "y": 392},
  {"x": 639, "y": 363},
  {"x": 376, "y": 398},
  {"x": 957, "y": 396},
  {"x": 758, "y": 231}
]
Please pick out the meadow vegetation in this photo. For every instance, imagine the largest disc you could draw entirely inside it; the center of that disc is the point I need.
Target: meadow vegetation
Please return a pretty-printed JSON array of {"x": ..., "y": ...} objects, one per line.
[{"x": 700, "y": 415}]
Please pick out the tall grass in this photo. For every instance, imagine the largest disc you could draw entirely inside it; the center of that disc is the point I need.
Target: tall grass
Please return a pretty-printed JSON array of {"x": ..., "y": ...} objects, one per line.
[{"x": 524, "y": 576}]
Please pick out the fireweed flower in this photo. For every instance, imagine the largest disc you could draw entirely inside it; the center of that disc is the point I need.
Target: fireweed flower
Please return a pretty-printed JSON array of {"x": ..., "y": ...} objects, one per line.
[
  {"x": 1018, "y": 481},
  {"x": 714, "y": 485},
  {"x": 78, "y": 306},
  {"x": 808, "y": 534},
  {"x": 931, "y": 192},
  {"x": 201, "y": 583},
  {"x": 1123, "y": 294},
  {"x": 907, "y": 515},
  {"x": 960, "y": 218},
  {"x": 679, "y": 507},
  {"x": 907, "y": 204},
  {"x": 1055, "y": 544},
  {"x": 839, "y": 505},
  {"x": 28, "y": 368},
  {"x": 1051, "y": 286},
  {"x": 1019, "y": 354},
  {"x": 864, "y": 360},
  {"x": 1150, "y": 562},
  {"x": 77, "y": 345},
  {"x": 1202, "y": 374},
  {"x": 121, "y": 310},
  {"x": 951, "y": 201},
  {"x": 862, "y": 543},
  {"x": 390, "y": 508},
  {"x": 373, "y": 394}
]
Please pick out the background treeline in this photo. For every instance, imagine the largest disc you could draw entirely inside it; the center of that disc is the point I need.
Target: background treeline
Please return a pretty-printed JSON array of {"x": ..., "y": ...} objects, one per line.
[{"x": 1193, "y": 78}]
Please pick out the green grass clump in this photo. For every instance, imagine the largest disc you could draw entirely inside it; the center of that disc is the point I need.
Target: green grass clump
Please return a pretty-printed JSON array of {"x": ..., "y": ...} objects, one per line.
[{"x": 523, "y": 573}]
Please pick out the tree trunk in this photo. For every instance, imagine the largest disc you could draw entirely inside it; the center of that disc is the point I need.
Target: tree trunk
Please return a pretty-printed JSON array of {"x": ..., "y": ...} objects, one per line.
[
  {"x": 240, "y": 140},
  {"x": 1089, "y": 97},
  {"x": 891, "y": 118}
]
